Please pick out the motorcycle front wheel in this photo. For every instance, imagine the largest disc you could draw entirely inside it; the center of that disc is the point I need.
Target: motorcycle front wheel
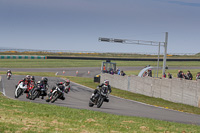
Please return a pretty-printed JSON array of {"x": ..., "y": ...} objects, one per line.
[
  {"x": 34, "y": 94},
  {"x": 18, "y": 92},
  {"x": 91, "y": 104},
  {"x": 100, "y": 102},
  {"x": 55, "y": 97}
]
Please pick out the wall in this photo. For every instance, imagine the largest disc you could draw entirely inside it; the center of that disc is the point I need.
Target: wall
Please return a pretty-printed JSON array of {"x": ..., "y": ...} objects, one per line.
[{"x": 175, "y": 90}]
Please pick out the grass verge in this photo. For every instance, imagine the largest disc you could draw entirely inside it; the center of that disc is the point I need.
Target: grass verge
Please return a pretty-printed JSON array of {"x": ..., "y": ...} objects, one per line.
[
  {"x": 61, "y": 63},
  {"x": 26, "y": 117}
]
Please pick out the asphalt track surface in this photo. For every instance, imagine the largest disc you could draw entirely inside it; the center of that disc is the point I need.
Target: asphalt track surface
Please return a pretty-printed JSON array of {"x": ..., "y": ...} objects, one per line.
[{"x": 79, "y": 96}]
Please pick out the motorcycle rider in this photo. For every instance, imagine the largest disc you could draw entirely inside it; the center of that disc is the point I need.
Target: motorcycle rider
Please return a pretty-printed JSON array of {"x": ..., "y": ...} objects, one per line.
[
  {"x": 67, "y": 86},
  {"x": 59, "y": 85},
  {"x": 32, "y": 84},
  {"x": 43, "y": 84},
  {"x": 9, "y": 71},
  {"x": 25, "y": 81},
  {"x": 99, "y": 87},
  {"x": 32, "y": 80}
]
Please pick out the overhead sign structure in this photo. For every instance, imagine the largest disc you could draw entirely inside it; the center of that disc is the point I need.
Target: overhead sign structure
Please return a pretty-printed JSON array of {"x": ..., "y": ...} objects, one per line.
[{"x": 142, "y": 42}]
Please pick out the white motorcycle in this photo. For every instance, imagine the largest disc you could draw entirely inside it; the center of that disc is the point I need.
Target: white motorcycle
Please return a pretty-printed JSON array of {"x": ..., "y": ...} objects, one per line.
[{"x": 20, "y": 89}]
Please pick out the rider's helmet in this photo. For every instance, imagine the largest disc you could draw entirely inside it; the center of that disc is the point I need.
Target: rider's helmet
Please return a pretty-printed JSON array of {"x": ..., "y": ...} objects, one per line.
[
  {"x": 67, "y": 82},
  {"x": 45, "y": 80},
  {"x": 9, "y": 70},
  {"x": 32, "y": 78},
  {"x": 106, "y": 82},
  {"x": 38, "y": 82},
  {"x": 60, "y": 86},
  {"x": 28, "y": 77}
]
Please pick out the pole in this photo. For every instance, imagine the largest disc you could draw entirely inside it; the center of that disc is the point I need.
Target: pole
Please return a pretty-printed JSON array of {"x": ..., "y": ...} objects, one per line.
[
  {"x": 158, "y": 58},
  {"x": 165, "y": 54}
]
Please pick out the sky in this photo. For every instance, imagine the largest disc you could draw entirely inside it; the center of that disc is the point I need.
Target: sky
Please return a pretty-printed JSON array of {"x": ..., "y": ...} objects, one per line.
[{"x": 76, "y": 25}]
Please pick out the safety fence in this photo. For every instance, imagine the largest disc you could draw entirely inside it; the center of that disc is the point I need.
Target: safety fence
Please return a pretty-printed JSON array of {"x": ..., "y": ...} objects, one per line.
[
  {"x": 174, "y": 90},
  {"x": 21, "y": 57}
]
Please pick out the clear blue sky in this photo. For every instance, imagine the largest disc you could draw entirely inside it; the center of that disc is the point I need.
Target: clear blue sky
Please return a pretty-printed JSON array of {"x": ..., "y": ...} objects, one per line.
[{"x": 77, "y": 24}]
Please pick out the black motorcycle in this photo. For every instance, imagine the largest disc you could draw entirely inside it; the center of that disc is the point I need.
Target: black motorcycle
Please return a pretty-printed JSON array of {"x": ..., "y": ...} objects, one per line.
[
  {"x": 99, "y": 97},
  {"x": 38, "y": 91},
  {"x": 58, "y": 92}
]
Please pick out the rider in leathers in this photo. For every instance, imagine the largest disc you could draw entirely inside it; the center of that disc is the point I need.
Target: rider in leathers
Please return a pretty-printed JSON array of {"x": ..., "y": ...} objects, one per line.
[
  {"x": 9, "y": 71},
  {"x": 43, "y": 84},
  {"x": 95, "y": 94},
  {"x": 59, "y": 85}
]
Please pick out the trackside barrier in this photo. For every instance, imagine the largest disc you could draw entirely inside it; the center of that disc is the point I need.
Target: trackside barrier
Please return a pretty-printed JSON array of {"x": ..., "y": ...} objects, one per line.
[
  {"x": 21, "y": 57},
  {"x": 174, "y": 90},
  {"x": 1, "y": 86}
]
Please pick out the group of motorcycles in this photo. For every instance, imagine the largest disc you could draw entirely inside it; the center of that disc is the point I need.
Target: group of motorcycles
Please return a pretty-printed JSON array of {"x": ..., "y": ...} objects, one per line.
[{"x": 38, "y": 90}]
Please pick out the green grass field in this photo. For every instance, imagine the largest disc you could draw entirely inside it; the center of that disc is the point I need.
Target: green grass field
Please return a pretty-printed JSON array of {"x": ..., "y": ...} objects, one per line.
[
  {"x": 26, "y": 117},
  {"x": 61, "y": 63}
]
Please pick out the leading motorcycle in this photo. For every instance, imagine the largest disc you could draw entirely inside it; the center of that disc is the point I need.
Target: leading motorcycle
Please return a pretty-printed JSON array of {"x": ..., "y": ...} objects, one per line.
[{"x": 99, "y": 97}]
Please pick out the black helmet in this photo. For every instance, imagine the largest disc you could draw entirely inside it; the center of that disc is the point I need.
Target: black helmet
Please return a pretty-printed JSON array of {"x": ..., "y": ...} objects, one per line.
[{"x": 45, "y": 80}]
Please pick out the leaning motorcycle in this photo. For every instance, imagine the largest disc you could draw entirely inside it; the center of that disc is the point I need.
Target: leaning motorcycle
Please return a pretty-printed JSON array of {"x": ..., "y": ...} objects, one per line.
[
  {"x": 100, "y": 97},
  {"x": 67, "y": 89},
  {"x": 57, "y": 93},
  {"x": 9, "y": 76},
  {"x": 20, "y": 89},
  {"x": 30, "y": 89},
  {"x": 37, "y": 92}
]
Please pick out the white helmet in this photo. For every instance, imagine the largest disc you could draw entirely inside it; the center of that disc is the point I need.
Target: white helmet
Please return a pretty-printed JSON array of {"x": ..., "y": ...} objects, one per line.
[{"x": 106, "y": 82}]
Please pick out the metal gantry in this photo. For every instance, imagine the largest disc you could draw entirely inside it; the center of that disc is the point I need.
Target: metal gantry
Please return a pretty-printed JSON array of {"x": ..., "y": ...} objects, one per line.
[{"x": 142, "y": 42}]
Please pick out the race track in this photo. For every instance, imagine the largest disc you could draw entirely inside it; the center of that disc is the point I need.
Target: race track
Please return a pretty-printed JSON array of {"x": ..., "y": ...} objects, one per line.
[{"x": 79, "y": 96}]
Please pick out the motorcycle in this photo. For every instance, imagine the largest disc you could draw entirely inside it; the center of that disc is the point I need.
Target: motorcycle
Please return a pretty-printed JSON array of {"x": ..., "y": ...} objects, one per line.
[
  {"x": 67, "y": 89},
  {"x": 57, "y": 93},
  {"x": 30, "y": 89},
  {"x": 37, "y": 92},
  {"x": 9, "y": 76},
  {"x": 20, "y": 89},
  {"x": 99, "y": 97}
]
